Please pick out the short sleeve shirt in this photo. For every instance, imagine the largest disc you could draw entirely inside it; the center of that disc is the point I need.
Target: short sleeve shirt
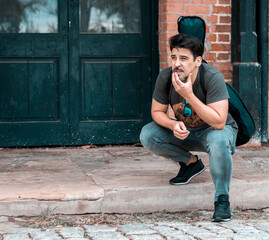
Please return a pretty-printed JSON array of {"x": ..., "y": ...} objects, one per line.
[{"x": 215, "y": 86}]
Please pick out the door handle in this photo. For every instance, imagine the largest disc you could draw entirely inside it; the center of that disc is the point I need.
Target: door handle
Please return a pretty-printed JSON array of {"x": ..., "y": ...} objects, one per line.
[{"x": 64, "y": 31}]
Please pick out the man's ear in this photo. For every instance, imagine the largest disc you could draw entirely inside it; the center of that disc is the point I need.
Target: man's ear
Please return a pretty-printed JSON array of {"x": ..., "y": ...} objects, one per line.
[{"x": 198, "y": 61}]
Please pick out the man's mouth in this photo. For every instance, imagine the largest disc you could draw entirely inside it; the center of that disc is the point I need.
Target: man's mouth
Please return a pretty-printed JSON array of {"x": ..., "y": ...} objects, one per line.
[{"x": 178, "y": 70}]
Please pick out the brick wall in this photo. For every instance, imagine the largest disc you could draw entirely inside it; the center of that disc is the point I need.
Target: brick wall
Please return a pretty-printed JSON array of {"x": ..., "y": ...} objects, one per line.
[{"x": 217, "y": 15}]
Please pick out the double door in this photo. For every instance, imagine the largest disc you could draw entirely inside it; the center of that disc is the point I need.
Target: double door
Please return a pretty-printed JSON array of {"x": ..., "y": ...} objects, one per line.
[{"x": 74, "y": 72}]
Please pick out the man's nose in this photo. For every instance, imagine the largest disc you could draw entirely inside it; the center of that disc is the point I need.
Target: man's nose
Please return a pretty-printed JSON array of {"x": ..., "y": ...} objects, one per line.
[{"x": 178, "y": 62}]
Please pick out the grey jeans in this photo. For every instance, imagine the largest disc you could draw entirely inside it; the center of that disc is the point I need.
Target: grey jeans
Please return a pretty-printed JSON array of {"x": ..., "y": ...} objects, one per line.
[{"x": 219, "y": 144}]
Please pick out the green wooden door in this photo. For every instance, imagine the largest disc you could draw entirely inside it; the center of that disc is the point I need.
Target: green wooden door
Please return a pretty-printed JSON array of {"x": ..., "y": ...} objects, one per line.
[
  {"x": 74, "y": 72},
  {"x": 110, "y": 70},
  {"x": 33, "y": 73}
]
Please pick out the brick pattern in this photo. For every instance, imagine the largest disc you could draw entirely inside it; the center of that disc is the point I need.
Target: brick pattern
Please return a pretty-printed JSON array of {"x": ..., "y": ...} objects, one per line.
[{"x": 217, "y": 15}]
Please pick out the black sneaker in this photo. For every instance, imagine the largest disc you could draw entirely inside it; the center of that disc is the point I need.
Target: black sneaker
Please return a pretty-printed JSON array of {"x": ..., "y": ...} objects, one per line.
[
  {"x": 222, "y": 209},
  {"x": 188, "y": 172}
]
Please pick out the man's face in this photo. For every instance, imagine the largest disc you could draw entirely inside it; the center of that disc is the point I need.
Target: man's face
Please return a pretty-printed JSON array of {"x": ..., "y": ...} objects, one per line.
[{"x": 183, "y": 62}]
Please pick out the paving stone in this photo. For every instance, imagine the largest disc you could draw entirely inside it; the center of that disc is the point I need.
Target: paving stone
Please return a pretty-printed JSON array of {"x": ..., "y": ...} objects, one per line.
[
  {"x": 106, "y": 235},
  {"x": 239, "y": 228},
  {"x": 180, "y": 237},
  {"x": 19, "y": 236},
  {"x": 136, "y": 229},
  {"x": 261, "y": 225},
  {"x": 46, "y": 235},
  {"x": 214, "y": 228},
  {"x": 24, "y": 230},
  {"x": 166, "y": 230},
  {"x": 98, "y": 228},
  {"x": 78, "y": 238},
  {"x": 146, "y": 237},
  {"x": 198, "y": 232},
  {"x": 72, "y": 232},
  {"x": 170, "y": 232}
]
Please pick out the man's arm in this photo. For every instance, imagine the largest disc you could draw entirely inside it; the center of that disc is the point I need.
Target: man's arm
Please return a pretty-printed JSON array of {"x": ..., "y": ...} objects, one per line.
[
  {"x": 214, "y": 114},
  {"x": 159, "y": 115}
]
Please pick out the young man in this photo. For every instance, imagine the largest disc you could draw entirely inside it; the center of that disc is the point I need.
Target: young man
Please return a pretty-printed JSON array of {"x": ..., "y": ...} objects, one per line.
[{"x": 202, "y": 120}]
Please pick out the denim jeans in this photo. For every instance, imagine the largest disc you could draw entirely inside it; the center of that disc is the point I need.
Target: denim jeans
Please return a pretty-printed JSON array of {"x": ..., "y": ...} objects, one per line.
[{"x": 219, "y": 144}]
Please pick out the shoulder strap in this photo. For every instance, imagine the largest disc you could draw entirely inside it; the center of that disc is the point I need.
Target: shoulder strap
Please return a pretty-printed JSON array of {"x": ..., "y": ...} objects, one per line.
[
  {"x": 202, "y": 80},
  {"x": 170, "y": 86}
]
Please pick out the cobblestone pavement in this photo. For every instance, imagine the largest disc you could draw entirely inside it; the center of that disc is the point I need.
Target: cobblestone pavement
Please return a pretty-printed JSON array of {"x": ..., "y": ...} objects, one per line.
[{"x": 203, "y": 230}]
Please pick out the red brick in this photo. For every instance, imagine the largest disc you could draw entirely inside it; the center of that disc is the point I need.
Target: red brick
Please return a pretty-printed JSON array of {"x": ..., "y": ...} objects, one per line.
[
  {"x": 171, "y": 17},
  {"x": 212, "y": 38},
  {"x": 170, "y": 27},
  {"x": 162, "y": 18},
  {"x": 198, "y": 9},
  {"x": 164, "y": 57},
  {"x": 225, "y": 2},
  {"x": 221, "y": 28},
  {"x": 174, "y": 8},
  {"x": 198, "y": 1},
  {"x": 184, "y": 1},
  {"x": 225, "y": 19},
  {"x": 212, "y": 19},
  {"x": 164, "y": 47},
  {"x": 164, "y": 65},
  {"x": 222, "y": 9},
  {"x": 165, "y": 36},
  {"x": 171, "y": 1},
  {"x": 223, "y": 37},
  {"x": 210, "y": 56},
  {"x": 227, "y": 75},
  {"x": 211, "y": 2},
  {"x": 220, "y": 47},
  {"x": 223, "y": 56},
  {"x": 222, "y": 66}
]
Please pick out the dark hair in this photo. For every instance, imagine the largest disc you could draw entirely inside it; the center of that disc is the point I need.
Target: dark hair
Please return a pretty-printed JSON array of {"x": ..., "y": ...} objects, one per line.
[{"x": 186, "y": 41}]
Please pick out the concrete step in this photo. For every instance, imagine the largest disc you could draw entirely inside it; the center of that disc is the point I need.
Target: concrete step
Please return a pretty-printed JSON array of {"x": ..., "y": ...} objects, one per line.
[{"x": 119, "y": 179}]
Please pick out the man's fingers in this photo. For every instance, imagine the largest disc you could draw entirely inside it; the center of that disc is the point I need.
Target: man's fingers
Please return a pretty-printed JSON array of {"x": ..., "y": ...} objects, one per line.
[
  {"x": 177, "y": 80},
  {"x": 182, "y": 136}
]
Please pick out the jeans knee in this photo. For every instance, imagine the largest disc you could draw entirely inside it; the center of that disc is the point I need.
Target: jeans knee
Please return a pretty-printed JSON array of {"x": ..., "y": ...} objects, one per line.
[
  {"x": 146, "y": 135},
  {"x": 143, "y": 136},
  {"x": 219, "y": 145}
]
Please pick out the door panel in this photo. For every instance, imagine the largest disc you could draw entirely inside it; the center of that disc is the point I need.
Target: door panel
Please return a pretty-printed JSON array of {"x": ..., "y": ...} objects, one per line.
[
  {"x": 33, "y": 70},
  {"x": 114, "y": 98},
  {"x": 29, "y": 90}
]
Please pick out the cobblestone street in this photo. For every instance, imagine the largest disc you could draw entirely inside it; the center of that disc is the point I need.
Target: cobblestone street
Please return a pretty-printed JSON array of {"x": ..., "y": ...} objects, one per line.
[
  {"x": 245, "y": 225},
  {"x": 236, "y": 230}
]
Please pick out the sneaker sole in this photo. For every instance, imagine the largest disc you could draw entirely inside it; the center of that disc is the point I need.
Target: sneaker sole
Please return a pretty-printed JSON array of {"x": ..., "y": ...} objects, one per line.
[
  {"x": 184, "y": 183},
  {"x": 221, "y": 220}
]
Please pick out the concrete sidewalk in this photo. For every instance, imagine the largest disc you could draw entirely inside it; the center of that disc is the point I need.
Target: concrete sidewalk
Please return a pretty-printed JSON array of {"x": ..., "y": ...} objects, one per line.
[{"x": 119, "y": 179}]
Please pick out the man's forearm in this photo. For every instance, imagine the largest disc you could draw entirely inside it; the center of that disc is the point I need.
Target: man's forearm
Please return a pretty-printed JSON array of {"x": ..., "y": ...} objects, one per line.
[
  {"x": 214, "y": 117},
  {"x": 163, "y": 120}
]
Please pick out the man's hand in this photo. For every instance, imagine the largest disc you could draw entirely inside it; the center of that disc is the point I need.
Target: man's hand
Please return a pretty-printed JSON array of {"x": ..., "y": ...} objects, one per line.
[
  {"x": 182, "y": 88},
  {"x": 180, "y": 131}
]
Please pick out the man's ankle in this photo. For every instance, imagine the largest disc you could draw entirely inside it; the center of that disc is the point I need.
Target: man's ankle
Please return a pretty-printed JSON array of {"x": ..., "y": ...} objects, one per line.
[{"x": 193, "y": 159}]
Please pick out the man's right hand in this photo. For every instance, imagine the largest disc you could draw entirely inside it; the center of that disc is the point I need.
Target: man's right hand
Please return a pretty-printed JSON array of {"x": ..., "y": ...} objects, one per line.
[{"x": 180, "y": 131}]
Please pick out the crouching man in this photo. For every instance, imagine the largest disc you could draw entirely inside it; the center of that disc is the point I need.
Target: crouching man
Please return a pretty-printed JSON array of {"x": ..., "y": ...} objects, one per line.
[{"x": 202, "y": 120}]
